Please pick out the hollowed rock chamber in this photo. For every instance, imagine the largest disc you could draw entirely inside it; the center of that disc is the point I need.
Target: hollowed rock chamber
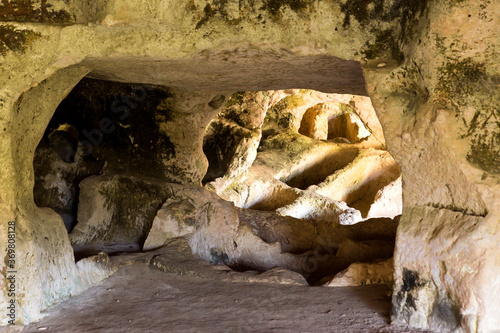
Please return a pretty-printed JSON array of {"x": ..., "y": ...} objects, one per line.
[
  {"x": 322, "y": 144},
  {"x": 277, "y": 198}
]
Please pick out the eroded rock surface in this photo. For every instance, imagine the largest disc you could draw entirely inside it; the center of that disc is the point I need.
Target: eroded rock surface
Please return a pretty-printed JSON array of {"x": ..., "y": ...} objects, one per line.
[
  {"x": 56, "y": 180},
  {"x": 117, "y": 210},
  {"x": 302, "y": 168},
  {"x": 244, "y": 239},
  {"x": 359, "y": 274},
  {"x": 430, "y": 68}
]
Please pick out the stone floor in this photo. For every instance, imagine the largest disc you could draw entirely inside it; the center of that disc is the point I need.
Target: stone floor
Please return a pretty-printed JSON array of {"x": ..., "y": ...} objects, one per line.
[{"x": 140, "y": 299}]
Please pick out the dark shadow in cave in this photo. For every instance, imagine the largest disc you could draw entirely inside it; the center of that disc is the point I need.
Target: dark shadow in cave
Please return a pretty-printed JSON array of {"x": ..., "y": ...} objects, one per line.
[{"x": 104, "y": 128}]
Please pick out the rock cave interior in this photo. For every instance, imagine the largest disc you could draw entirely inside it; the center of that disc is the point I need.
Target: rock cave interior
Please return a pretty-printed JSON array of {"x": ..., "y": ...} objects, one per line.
[
  {"x": 250, "y": 165},
  {"x": 297, "y": 179}
]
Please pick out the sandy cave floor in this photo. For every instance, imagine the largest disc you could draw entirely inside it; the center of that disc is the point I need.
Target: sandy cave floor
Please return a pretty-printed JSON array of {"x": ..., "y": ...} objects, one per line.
[{"x": 140, "y": 299}]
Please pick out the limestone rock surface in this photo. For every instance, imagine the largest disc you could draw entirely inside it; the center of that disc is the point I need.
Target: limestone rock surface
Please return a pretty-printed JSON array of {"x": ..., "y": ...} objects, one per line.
[
  {"x": 56, "y": 182},
  {"x": 430, "y": 68},
  {"x": 117, "y": 209},
  {"x": 176, "y": 258},
  {"x": 244, "y": 239},
  {"x": 305, "y": 175},
  {"x": 364, "y": 273}
]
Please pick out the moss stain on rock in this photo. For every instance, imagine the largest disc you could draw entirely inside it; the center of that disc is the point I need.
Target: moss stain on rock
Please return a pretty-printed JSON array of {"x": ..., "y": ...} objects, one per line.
[
  {"x": 25, "y": 11},
  {"x": 457, "y": 78},
  {"x": 404, "y": 14},
  {"x": 464, "y": 83},
  {"x": 360, "y": 10},
  {"x": 12, "y": 39},
  {"x": 407, "y": 296},
  {"x": 365, "y": 11},
  {"x": 485, "y": 151},
  {"x": 220, "y": 146},
  {"x": 385, "y": 46},
  {"x": 236, "y": 99},
  {"x": 274, "y": 6},
  {"x": 132, "y": 215},
  {"x": 217, "y": 8},
  {"x": 278, "y": 113}
]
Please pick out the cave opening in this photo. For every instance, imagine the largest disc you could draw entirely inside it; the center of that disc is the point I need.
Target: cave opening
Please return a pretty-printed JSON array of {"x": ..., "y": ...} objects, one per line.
[
  {"x": 300, "y": 161},
  {"x": 431, "y": 70},
  {"x": 266, "y": 149},
  {"x": 102, "y": 130},
  {"x": 305, "y": 172}
]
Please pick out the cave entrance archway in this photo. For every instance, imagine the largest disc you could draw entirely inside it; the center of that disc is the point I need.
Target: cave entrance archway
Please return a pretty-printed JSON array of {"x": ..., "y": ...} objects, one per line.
[
  {"x": 344, "y": 82},
  {"x": 113, "y": 130},
  {"x": 430, "y": 80}
]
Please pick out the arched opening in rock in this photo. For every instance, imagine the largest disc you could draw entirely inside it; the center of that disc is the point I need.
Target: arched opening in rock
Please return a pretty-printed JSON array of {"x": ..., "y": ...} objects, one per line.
[
  {"x": 347, "y": 126},
  {"x": 313, "y": 164},
  {"x": 338, "y": 122},
  {"x": 273, "y": 148},
  {"x": 307, "y": 172},
  {"x": 435, "y": 83}
]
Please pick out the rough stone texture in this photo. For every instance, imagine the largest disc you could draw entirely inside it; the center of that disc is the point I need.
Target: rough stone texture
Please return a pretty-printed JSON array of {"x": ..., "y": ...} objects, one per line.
[
  {"x": 365, "y": 251},
  {"x": 333, "y": 121},
  {"x": 431, "y": 69},
  {"x": 138, "y": 130},
  {"x": 186, "y": 129},
  {"x": 56, "y": 181},
  {"x": 359, "y": 274},
  {"x": 438, "y": 111},
  {"x": 45, "y": 262},
  {"x": 213, "y": 230},
  {"x": 199, "y": 305},
  {"x": 118, "y": 125},
  {"x": 232, "y": 138},
  {"x": 176, "y": 258},
  {"x": 243, "y": 239},
  {"x": 387, "y": 201},
  {"x": 304, "y": 177},
  {"x": 314, "y": 124},
  {"x": 314, "y": 114},
  {"x": 359, "y": 182},
  {"x": 314, "y": 207},
  {"x": 117, "y": 209},
  {"x": 293, "y": 235},
  {"x": 92, "y": 270}
]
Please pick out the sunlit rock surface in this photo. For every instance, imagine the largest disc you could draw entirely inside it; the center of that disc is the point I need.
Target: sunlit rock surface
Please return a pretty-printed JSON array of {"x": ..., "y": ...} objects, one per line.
[
  {"x": 305, "y": 175},
  {"x": 364, "y": 273}
]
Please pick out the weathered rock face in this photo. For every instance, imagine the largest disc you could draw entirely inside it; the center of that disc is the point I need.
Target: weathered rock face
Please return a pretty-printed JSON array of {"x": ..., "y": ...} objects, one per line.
[
  {"x": 323, "y": 122},
  {"x": 220, "y": 233},
  {"x": 117, "y": 210},
  {"x": 364, "y": 273},
  {"x": 214, "y": 233},
  {"x": 105, "y": 127},
  {"x": 431, "y": 69},
  {"x": 302, "y": 173},
  {"x": 437, "y": 111},
  {"x": 232, "y": 138},
  {"x": 138, "y": 130},
  {"x": 119, "y": 125},
  {"x": 56, "y": 181}
]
